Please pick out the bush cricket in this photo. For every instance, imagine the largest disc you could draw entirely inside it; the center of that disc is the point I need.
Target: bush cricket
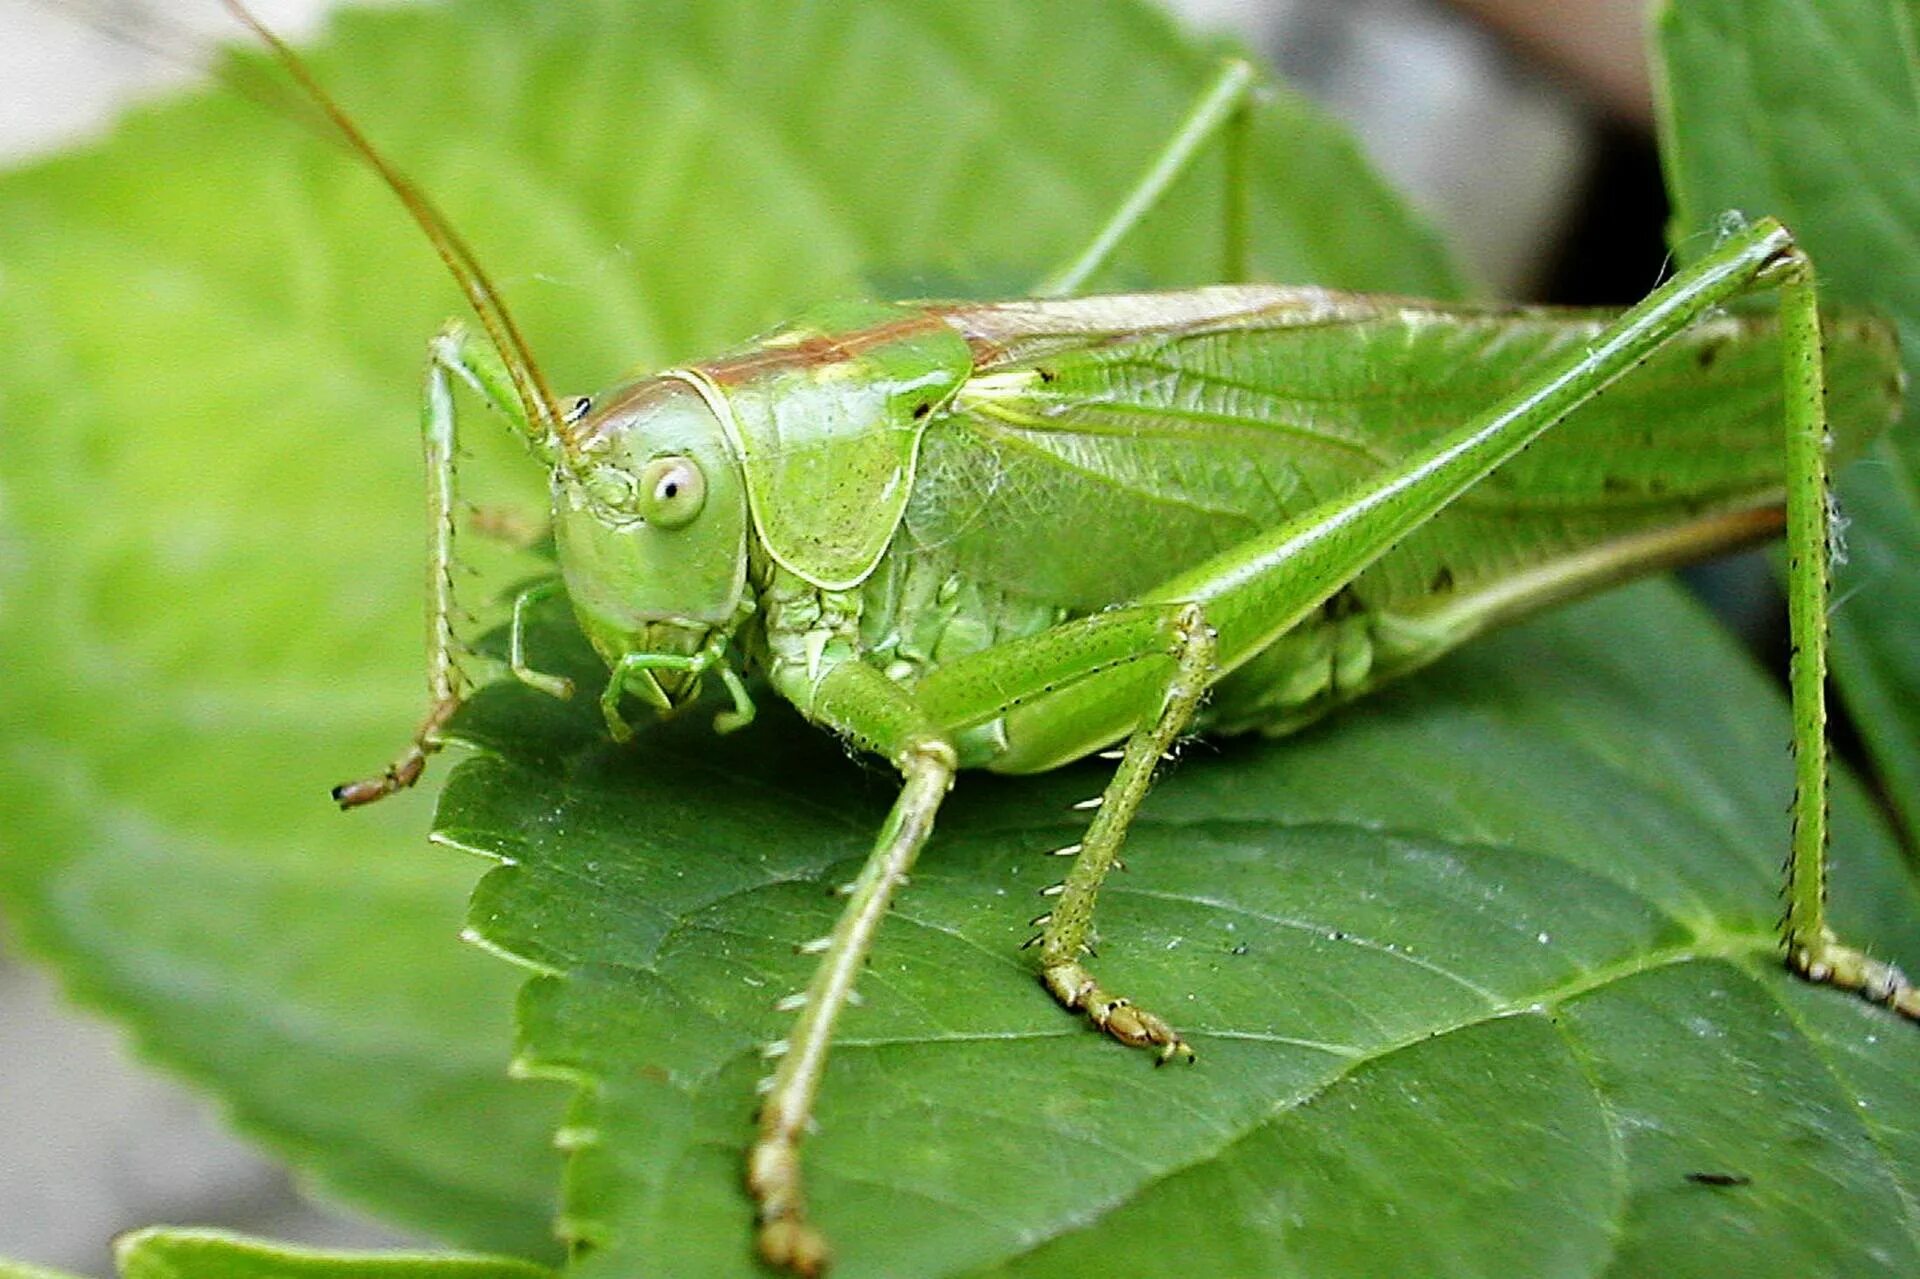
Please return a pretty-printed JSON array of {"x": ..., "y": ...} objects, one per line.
[{"x": 1010, "y": 535}]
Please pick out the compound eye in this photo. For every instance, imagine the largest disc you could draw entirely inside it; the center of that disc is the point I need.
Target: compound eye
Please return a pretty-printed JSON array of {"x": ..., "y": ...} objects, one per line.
[{"x": 672, "y": 491}]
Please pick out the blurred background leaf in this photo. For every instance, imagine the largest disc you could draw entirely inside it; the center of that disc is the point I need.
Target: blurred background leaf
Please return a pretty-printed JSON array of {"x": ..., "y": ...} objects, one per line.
[{"x": 208, "y": 1254}]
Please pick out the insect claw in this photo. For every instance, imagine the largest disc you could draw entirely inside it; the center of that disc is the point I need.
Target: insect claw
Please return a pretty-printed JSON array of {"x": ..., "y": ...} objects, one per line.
[
  {"x": 791, "y": 1003},
  {"x": 355, "y": 794},
  {"x": 791, "y": 1246},
  {"x": 396, "y": 779}
]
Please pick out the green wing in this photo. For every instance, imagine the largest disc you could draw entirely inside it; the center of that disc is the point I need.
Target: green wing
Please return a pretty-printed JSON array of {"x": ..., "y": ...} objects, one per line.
[{"x": 1105, "y": 443}]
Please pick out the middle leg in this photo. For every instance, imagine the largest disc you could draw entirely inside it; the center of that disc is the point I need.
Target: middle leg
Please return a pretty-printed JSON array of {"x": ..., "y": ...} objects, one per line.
[
  {"x": 1069, "y": 926},
  {"x": 1135, "y": 672},
  {"x": 451, "y": 355}
]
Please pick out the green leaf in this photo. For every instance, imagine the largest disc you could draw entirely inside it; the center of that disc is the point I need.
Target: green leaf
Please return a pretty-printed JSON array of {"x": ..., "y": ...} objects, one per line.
[
  {"x": 1479, "y": 977},
  {"x": 1811, "y": 112},
  {"x": 212, "y": 1254}
]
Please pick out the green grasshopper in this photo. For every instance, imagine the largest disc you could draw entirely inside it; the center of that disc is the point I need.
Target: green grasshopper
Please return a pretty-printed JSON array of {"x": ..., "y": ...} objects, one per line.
[{"x": 1011, "y": 535}]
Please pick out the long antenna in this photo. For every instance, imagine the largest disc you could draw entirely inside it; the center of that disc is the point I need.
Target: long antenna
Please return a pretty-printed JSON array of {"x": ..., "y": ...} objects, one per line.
[{"x": 486, "y": 301}]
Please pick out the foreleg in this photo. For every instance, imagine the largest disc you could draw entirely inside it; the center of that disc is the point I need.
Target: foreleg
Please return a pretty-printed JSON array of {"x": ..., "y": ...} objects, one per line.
[
  {"x": 451, "y": 354},
  {"x": 879, "y": 716}
]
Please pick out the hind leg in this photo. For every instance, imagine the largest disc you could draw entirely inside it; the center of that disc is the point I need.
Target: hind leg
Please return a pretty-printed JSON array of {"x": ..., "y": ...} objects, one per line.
[{"x": 1221, "y": 109}]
